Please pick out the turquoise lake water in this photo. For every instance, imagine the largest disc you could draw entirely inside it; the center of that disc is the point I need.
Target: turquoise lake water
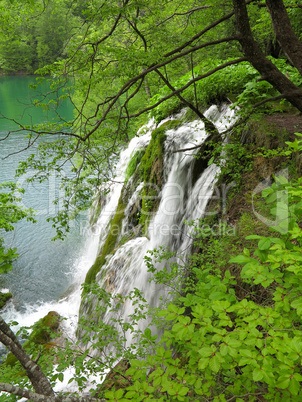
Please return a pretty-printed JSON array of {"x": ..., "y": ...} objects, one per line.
[{"x": 44, "y": 269}]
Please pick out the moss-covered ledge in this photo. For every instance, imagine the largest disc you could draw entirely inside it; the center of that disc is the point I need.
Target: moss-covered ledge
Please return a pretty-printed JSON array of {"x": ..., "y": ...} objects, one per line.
[
  {"x": 145, "y": 165},
  {"x": 110, "y": 243},
  {"x": 151, "y": 172},
  {"x": 43, "y": 332}
]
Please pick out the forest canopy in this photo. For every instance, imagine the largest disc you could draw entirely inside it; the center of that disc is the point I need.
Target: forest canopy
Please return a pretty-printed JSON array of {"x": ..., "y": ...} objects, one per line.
[
  {"x": 122, "y": 62},
  {"x": 119, "y": 63}
]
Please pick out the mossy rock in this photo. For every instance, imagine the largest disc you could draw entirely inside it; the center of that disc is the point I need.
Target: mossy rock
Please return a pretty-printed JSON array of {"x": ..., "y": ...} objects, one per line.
[
  {"x": 151, "y": 173},
  {"x": 134, "y": 162},
  {"x": 4, "y": 297},
  {"x": 111, "y": 241},
  {"x": 41, "y": 335},
  {"x": 45, "y": 327}
]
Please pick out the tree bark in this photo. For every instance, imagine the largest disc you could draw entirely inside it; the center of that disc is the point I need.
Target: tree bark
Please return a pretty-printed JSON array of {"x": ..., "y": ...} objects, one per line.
[
  {"x": 284, "y": 32},
  {"x": 25, "y": 393},
  {"x": 33, "y": 371},
  {"x": 266, "y": 68}
]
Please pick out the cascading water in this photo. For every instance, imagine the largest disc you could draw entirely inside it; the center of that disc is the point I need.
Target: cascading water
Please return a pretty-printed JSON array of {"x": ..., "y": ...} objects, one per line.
[{"x": 181, "y": 198}]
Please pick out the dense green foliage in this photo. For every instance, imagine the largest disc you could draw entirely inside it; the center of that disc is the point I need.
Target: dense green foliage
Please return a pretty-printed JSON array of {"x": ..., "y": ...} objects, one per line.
[
  {"x": 35, "y": 37},
  {"x": 105, "y": 49},
  {"x": 231, "y": 329},
  {"x": 239, "y": 83}
]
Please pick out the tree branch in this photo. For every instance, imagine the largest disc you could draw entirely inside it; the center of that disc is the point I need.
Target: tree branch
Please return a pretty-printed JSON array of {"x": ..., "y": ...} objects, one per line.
[
  {"x": 201, "y": 33},
  {"x": 258, "y": 60},
  {"x": 33, "y": 371},
  {"x": 185, "y": 13},
  {"x": 25, "y": 393},
  {"x": 284, "y": 32},
  {"x": 209, "y": 126},
  {"x": 198, "y": 78}
]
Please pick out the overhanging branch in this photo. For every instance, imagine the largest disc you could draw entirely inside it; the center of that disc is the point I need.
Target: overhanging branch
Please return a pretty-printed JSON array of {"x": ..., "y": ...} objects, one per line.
[
  {"x": 237, "y": 123},
  {"x": 195, "y": 79},
  {"x": 25, "y": 393},
  {"x": 209, "y": 126}
]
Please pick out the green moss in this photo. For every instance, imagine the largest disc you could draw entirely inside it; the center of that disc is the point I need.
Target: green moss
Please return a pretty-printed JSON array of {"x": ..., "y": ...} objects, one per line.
[
  {"x": 147, "y": 165},
  {"x": 96, "y": 214},
  {"x": 134, "y": 161},
  {"x": 41, "y": 335},
  {"x": 4, "y": 297},
  {"x": 151, "y": 173},
  {"x": 45, "y": 327},
  {"x": 111, "y": 241}
]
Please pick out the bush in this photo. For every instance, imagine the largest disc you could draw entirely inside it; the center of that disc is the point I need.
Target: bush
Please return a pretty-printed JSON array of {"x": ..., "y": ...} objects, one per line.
[{"x": 240, "y": 80}]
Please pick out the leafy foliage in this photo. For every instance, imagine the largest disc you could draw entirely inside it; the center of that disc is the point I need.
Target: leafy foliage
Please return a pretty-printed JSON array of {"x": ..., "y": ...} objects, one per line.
[
  {"x": 241, "y": 83},
  {"x": 35, "y": 38},
  {"x": 216, "y": 343}
]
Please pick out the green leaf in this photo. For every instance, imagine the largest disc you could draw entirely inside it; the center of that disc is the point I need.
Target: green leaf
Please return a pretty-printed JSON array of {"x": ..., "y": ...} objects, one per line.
[
  {"x": 257, "y": 374},
  {"x": 214, "y": 363},
  {"x": 203, "y": 363},
  {"x": 234, "y": 343},
  {"x": 206, "y": 351},
  {"x": 281, "y": 180},
  {"x": 253, "y": 237},
  {"x": 241, "y": 259},
  {"x": 119, "y": 393},
  {"x": 183, "y": 391},
  {"x": 283, "y": 383},
  {"x": 148, "y": 333},
  {"x": 266, "y": 192},
  {"x": 264, "y": 243},
  {"x": 131, "y": 395}
]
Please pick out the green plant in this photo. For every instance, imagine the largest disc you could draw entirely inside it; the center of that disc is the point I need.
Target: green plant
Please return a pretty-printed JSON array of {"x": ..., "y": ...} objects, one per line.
[{"x": 218, "y": 346}]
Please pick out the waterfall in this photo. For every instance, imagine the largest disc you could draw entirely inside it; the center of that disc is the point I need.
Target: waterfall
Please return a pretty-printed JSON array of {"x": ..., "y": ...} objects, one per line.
[
  {"x": 137, "y": 216},
  {"x": 182, "y": 196}
]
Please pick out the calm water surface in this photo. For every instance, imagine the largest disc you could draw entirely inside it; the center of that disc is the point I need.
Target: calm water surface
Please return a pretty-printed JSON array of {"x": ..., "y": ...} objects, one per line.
[{"x": 44, "y": 269}]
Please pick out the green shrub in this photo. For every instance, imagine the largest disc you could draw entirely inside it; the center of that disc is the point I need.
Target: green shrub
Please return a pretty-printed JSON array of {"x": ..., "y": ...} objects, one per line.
[{"x": 240, "y": 80}]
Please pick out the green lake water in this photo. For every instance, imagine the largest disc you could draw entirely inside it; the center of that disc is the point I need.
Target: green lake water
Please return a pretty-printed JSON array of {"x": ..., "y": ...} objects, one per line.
[{"x": 44, "y": 269}]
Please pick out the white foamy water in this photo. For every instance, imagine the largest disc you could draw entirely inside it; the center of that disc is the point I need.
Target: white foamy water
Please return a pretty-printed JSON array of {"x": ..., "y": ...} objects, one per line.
[{"x": 183, "y": 197}]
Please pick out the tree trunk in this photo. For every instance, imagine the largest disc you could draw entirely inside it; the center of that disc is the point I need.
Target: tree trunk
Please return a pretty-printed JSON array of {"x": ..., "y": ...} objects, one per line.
[
  {"x": 266, "y": 68},
  {"x": 285, "y": 34},
  {"x": 33, "y": 371}
]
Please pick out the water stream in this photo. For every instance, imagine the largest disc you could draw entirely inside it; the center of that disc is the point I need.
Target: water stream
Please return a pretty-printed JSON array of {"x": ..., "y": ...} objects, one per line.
[
  {"x": 182, "y": 199},
  {"x": 45, "y": 270}
]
